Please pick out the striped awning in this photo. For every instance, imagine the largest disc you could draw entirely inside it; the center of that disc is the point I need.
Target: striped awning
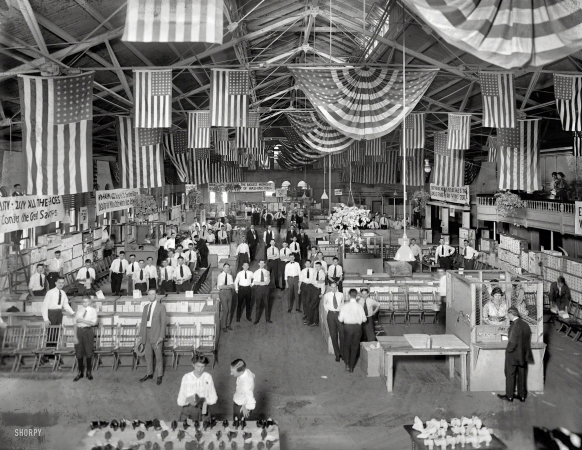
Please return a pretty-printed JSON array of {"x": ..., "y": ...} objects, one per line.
[
  {"x": 363, "y": 103},
  {"x": 507, "y": 33}
]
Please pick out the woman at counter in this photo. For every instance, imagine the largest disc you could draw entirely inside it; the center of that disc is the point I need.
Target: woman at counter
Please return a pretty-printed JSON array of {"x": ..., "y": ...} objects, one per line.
[
  {"x": 495, "y": 310},
  {"x": 197, "y": 390}
]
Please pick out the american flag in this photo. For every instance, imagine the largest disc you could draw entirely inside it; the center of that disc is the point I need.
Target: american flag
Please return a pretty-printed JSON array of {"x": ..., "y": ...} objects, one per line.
[
  {"x": 176, "y": 145},
  {"x": 449, "y": 165},
  {"x": 229, "y": 98},
  {"x": 140, "y": 155},
  {"x": 414, "y": 130},
  {"x": 376, "y": 149},
  {"x": 198, "y": 129},
  {"x": 577, "y": 147},
  {"x": 57, "y": 123},
  {"x": 153, "y": 98},
  {"x": 201, "y": 153},
  {"x": 199, "y": 174},
  {"x": 387, "y": 172},
  {"x": 415, "y": 167},
  {"x": 498, "y": 99},
  {"x": 492, "y": 148},
  {"x": 471, "y": 171},
  {"x": 174, "y": 21},
  {"x": 114, "y": 168},
  {"x": 249, "y": 138},
  {"x": 519, "y": 156},
  {"x": 293, "y": 138},
  {"x": 215, "y": 157},
  {"x": 568, "y": 92},
  {"x": 231, "y": 152},
  {"x": 459, "y": 131},
  {"x": 355, "y": 154}
]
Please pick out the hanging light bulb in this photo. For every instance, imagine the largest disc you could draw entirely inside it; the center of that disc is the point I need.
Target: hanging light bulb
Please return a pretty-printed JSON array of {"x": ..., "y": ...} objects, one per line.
[{"x": 427, "y": 167}]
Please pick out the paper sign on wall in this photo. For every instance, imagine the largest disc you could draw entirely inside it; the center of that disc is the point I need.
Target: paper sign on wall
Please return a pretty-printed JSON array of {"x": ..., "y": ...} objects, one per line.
[
  {"x": 28, "y": 211},
  {"x": 337, "y": 192},
  {"x": 114, "y": 200},
  {"x": 84, "y": 215}
]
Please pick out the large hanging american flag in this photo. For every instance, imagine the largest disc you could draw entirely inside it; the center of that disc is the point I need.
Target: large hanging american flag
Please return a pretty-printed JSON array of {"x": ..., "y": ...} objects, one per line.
[
  {"x": 140, "y": 155},
  {"x": 449, "y": 165},
  {"x": 176, "y": 147},
  {"x": 415, "y": 167},
  {"x": 249, "y": 138},
  {"x": 568, "y": 92},
  {"x": 414, "y": 130},
  {"x": 174, "y": 21},
  {"x": 492, "y": 148},
  {"x": 387, "y": 172},
  {"x": 577, "y": 146},
  {"x": 201, "y": 153},
  {"x": 519, "y": 156},
  {"x": 459, "y": 131},
  {"x": 356, "y": 154},
  {"x": 498, "y": 99},
  {"x": 229, "y": 98},
  {"x": 199, "y": 171},
  {"x": 198, "y": 129},
  {"x": 363, "y": 103},
  {"x": 153, "y": 98},
  {"x": 57, "y": 123}
]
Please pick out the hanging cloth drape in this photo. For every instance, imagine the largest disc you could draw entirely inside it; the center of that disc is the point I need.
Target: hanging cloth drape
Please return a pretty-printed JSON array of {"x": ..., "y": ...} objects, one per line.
[
  {"x": 362, "y": 103},
  {"x": 507, "y": 33},
  {"x": 318, "y": 134}
]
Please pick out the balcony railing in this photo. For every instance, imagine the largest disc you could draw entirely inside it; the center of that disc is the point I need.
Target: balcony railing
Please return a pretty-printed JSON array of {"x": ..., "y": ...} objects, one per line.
[{"x": 538, "y": 205}]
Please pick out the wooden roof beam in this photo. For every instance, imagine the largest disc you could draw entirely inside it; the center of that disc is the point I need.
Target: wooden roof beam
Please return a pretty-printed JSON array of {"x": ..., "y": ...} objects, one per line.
[
  {"x": 29, "y": 17},
  {"x": 119, "y": 72}
]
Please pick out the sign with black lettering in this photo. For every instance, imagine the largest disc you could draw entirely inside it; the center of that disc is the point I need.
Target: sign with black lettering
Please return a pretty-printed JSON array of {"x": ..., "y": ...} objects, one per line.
[
  {"x": 578, "y": 218},
  {"x": 114, "y": 200},
  {"x": 28, "y": 211},
  {"x": 450, "y": 194}
]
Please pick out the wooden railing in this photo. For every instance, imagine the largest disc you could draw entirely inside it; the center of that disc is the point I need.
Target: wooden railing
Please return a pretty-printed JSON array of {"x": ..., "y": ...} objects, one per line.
[{"x": 537, "y": 205}]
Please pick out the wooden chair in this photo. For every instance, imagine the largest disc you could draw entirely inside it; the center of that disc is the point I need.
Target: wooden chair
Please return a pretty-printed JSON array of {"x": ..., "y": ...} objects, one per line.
[
  {"x": 125, "y": 345},
  {"x": 385, "y": 300},
  {"x": 170, "y": 340},
  {"x": 415, "y": 307},
  {"x": 576, "y": 327},
  {"x": 71, "y": 285},
  {"x": 106, "y": 338},
  {"x": 66, "y": 346},
  {"x": 207, "y": 344},
  {"x": 185, "y": 342},
  {"x": 430, "y": 305},
  {"x": 50, "y": 339},
  {"x": 31, "y": 341},
  {"x": 11, "y": 341},
  {"x": 400, "y": 305},
  {"x": 566, "y": 324}
]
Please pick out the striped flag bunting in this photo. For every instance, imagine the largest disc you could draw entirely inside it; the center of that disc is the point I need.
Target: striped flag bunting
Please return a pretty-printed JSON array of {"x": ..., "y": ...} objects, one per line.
[
  {"x": 356, "y": 154},
  {"x": 174, "y": 21},
  {"x": 57, "y": 123},
  {"x": 387, "y": 172},
  {"x": 519, "y": 156},
  {"x": 248, "y": 138},
  {"x": 449, "y": 165},
  {"x": 320, "y": 136},
  {"x": 459, "y": 131},
  {"x": 414, "y": 130},
  {"x": 415, "y": 167},
  {"x": 363, "y": 103},
  {"x": 153, "y": 98},
  {"x": 471, "y": 171},
  {"x": 498, "y": 91},
  {"x": 140, "y": 155},
  {"x": 229, "y": 98},
  {"x": 577, "y": 147},
  {"x": 568, "y": 92},
  {"x": 176, "y": 148},
  {"x": 492, "y": 148},
  {"x": 375, "y": 149},
  {"x": 198, "y": 129}
]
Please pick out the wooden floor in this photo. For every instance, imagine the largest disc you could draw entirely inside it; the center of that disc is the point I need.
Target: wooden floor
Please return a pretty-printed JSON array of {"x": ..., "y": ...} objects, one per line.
[{"x": 317, "y": 404}]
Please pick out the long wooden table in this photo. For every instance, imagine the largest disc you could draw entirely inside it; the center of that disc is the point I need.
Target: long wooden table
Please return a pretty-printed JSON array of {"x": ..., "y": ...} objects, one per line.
[{"x": 399, "y": 346}]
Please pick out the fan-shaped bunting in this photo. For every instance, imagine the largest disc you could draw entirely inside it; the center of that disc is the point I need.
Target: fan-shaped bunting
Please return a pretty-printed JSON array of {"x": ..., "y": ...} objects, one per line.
[
  {"x": 318, "y": 134},
  {"x": 363, "y": 103}
]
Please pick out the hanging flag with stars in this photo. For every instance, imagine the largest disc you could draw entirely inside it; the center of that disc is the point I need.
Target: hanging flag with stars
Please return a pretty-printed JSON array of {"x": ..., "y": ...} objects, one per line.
[
  {"x": 498, "y": 91},
  {"x": 459, "y": 131},
  {"x": 176, "y": 147},
  {"x": 491, "y": 148},
  {"x": 57, "y": 123},
  {"x": 568, "y": 92},
  {"x": 198, "y": 129},
  {"x": 519, "y": 156},
  {"x": 375, "y": 150},
  {"x": 577, "y": 147},
  {"x": 153, "y": 98},
  {"x": 201, "y": 153},
  {"x": 414, "y": 167},
  {"x": 471, "y": 171},
  {"x": 449, "y": 165},
  {"x": 229, "y": 98},
  {"x": 387, "y": 172},
  {"x": 414, "y": 130},
  {"x": 249, "y": 138}
]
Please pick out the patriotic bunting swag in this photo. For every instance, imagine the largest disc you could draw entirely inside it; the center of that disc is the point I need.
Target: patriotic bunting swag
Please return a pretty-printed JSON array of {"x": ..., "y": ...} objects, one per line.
[
  {"x": 362, "y": 103},
  {"x": 318, "y": 134}
]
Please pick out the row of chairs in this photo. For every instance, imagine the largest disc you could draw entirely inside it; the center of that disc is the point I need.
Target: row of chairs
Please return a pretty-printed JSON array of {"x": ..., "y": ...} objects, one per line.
[
  {"x": 573, "y": 323},
  {"x": 119, "y": 342},
  {"x": 408, "y": 305}
]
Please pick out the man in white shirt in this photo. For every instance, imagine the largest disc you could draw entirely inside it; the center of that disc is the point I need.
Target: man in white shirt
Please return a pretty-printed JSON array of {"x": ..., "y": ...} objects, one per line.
[
  {"x": 243, "y": 253},
  {"x": 166, "y": 278},
  {"x": 228, "y": 228},
  {"x": 371, "y": 307},
  {"x": 225, "y": 286},
  {"x": 141, "y": 278},
  {"x": 244, "y": 398},
  {"x": 268, "y": 236},
  {"x": 182, "y": 276},
  {"x": 292, "y": 272},
  {"x": 242, "y": 286},
  {"x": 295, "y": 249},
  {"x": 284, "y": 258},
  {"x": 319, "y": 259},
  {"x": 131, "y": 269},
  {"x": 313, "y": 308},
  {"x": 332, "y": 303},
  {"x": 186, "y": 242},
  {"x": 172, "y": 259},
  {"x": 417, "y": 252},
  {"x": 37, "y": 286},
  {"x": 197, "y": 391},
  {"x": 443, "y": 254},
  {"x": 55, "y": 269},
  {"x": 191, "y": 257},
  {"x": 308, "y": 292},
  {"x": 384, "y": 222},
  {"x": 260, "y": 286},
  {"x": 179, "y": 251},
  {"x": 204, "y": 233},
  {"x": 117, "y": 270},
  {"x": 373, "y": 225},
  {"x": 85, "y": 320},
  {"x": 223, "y": 236},
  {"x": 273, "y": 262},
  {"x": 171, "y": 242},
  {"x": 53, "y": 304},
  {"x": 352, "y": 316},
  {"x": 85, "y": 278},
  {"x": 152, "y": 272},
  {"x": 279, "y": 220},
  {"x": 335, "y": 273},
  {"x": 469, "y": 256},
  {"x": 442, "y": 276}
]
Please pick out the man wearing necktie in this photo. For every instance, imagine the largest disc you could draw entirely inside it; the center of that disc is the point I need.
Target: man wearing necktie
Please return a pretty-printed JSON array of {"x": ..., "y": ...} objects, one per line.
[
  {"x": 182, "y": 276},
  {"x": 307, "y": 289},
  {"x": 443, "y": 254},
  {"x": 261, "y": 281},
  {"x": 304, "y": 245},
  {"x": 384, "y": 222},
  {"x": 118, "y": 268},
  {"x": 284, "y": 257},
  {"x": 55, "y": 269},
  {"x": 291, "y": 233},
  {"x": 222, "y": 236},
  {"x": 86, "y": 278},
  {"x": 151, "y": 334},
  {"x": 242, "y": 286},
  {"x": 332, "y": 303},
  {"x": 130, "y": 271},
  {"x": 469, "y": 256},
  {"x": 152, "y": 272},
  {"x": 166, "y": 278},
  {"x": 85, "y": 320},
  {"x": 295, "y": 249},
  {"x": 292, "y": 273},
  {"x": 38, "y": 283},
  {"x": 225, "y": 286},
  {"x": 252, "y": 241},
  {"x": 191, "y": 257},
  {"x": 141, "y": 278},
  {"x": 53, "y": 304},
  {"x": 268, "y": 236},
  {"x": 352, "y": 315},
  {"x": 335, "y": 273},
  {"x": 273, "y": 262},
  {"x": 371, "y": 307},
  {"x": 313, "y": 307}
]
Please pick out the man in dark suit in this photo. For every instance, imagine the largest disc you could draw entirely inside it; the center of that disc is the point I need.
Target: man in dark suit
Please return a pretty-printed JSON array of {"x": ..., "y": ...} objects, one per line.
[
  {"x": 291, "y": 233},
  {"x": 304, "y": 245},
  {"x": 253, "y": 241},
  {"x": 560, "y": 294},
  {"x": 151, "y": 332},
  {"x": 203, "y": 251},
  {"x": 518, "y": 355}
]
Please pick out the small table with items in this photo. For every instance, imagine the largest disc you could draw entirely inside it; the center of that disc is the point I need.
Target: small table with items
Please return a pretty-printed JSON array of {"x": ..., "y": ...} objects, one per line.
[{"x": 418, "y": 443}]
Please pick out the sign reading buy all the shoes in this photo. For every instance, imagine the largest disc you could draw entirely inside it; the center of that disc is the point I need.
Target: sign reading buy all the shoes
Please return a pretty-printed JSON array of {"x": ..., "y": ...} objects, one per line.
[
  {"x": 450, "y": 194},
  {"x": 27, "y": 211}
]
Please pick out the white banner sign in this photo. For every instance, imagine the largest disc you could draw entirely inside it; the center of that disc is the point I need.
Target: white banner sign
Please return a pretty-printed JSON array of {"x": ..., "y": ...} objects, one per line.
[
  {"x": 337, "y": 192},
  {"x": 450, "y": 194},
  {"x": 281, "y": 193},
  {"x": 114, "y": 200},
  {"x": 249, "y": 186},
  {"x": 27, "y": 211},
  {"x": 578, "y": 218}
]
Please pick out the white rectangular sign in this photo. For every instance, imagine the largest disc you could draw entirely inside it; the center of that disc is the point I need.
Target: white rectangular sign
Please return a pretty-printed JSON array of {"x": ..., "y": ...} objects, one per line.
[
  {"x": 450, "y": 194},
  {"x": 578, "y": 218},
  {"x": 250, "y": 186},
  {"x": 337, "y": 192},
  {"x": 84, "y": 215},
  {"x": 27, "y": 211},
  {"x": 114, "y": 200}
]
